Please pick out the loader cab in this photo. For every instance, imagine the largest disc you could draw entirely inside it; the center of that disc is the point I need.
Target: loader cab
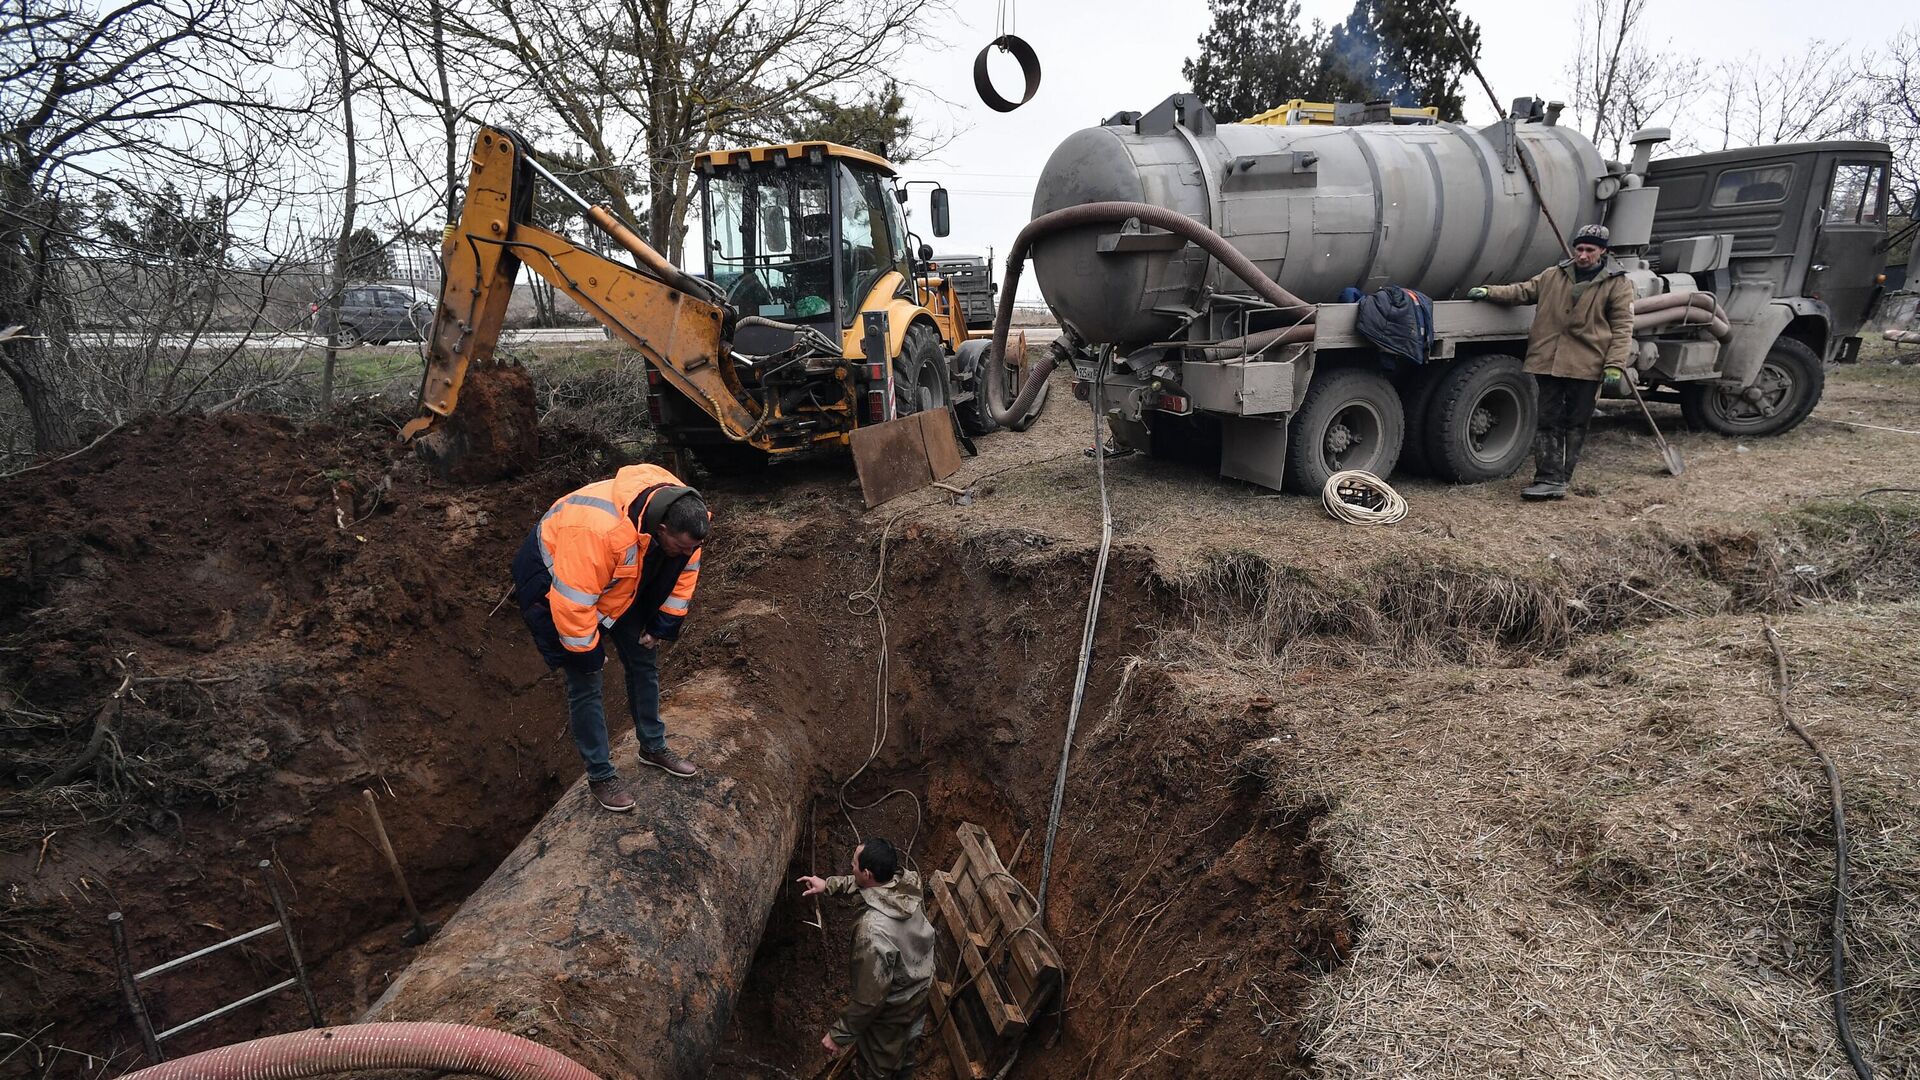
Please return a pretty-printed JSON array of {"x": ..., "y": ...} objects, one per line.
[{"x": 802, "y": 233}]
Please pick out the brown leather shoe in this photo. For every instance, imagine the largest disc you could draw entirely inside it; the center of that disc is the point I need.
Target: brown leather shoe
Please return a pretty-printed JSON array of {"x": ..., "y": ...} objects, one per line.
[
  {"x": 611, "y": 794},
  {"x": 666, "y": 759}
]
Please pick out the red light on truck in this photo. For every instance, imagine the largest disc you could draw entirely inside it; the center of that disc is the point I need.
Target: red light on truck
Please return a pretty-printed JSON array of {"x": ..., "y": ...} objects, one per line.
[
  {"x": 656, "y": 412},
  {"x": 653, "y": 379},
  {"x": 876, "y": 407},
  {"x": 1177, "y": 404}
]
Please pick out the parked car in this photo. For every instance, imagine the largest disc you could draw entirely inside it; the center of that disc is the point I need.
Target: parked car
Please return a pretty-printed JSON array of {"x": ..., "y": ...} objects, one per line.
[{"x": 377, "y": 313}]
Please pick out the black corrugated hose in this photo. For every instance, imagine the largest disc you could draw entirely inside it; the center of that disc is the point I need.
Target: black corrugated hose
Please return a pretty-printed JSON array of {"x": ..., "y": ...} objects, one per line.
[{"x": 1842, "y": 1027}]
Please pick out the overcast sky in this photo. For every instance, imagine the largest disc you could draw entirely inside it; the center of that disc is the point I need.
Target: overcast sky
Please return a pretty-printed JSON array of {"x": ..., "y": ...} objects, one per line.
[{"x": 1101, "y": 56}]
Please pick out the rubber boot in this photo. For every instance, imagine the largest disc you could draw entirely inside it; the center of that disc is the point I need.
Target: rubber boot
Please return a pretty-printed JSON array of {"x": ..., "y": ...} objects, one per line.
[
  {"x": 1549, "y": 459},
  {"x": 1575, "y": 441}
]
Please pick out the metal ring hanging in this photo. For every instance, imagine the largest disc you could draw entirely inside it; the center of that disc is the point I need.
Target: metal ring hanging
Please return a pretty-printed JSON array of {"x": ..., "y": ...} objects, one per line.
[{"x": 1029, "y": 70}]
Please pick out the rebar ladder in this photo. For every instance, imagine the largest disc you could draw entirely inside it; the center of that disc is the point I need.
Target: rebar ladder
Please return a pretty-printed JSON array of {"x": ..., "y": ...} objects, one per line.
[{"x": 130, "y": 980}]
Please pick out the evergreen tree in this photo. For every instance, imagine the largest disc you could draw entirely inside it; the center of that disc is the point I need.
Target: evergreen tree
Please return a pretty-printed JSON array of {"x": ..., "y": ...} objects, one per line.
[
  {"x": 879, "y": 124},
  {"x": 1400, "y": 51},
  {"x": 1257, "y": 55}
]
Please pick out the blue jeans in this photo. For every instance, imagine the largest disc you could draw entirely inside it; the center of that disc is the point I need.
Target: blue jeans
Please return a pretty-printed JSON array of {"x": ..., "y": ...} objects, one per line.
[{"x": 587, "y": 711}]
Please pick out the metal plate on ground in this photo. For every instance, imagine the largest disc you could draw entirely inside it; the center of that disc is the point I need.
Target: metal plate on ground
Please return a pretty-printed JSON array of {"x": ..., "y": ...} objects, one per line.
[{"x": 905, "y": 455}]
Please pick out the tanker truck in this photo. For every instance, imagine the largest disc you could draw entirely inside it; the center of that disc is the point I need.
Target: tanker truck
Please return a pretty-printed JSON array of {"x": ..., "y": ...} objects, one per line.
[{"x": 1197, "y": 270}]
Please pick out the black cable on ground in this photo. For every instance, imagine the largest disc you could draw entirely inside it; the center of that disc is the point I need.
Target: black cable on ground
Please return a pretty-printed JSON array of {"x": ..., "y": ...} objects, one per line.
[
  {"x": 1086, "y": 634},
  {"x": 1843, "y": 1029}
]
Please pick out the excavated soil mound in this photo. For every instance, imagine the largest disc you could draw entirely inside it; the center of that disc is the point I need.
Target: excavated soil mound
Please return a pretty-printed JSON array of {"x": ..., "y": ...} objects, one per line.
[{"x": 214, "y": 633}]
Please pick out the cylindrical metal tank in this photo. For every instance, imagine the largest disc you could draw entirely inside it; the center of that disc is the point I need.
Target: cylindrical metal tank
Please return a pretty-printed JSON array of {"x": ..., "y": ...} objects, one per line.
[{"x": 1439, "y": 208}]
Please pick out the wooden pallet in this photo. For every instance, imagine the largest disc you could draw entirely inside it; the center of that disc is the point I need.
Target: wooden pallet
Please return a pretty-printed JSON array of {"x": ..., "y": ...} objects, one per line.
[{"x": 1002, "y": 977}]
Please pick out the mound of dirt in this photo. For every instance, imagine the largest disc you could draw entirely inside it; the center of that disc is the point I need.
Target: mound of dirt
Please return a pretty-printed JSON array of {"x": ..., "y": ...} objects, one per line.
[{"x": 214, "y": 633}]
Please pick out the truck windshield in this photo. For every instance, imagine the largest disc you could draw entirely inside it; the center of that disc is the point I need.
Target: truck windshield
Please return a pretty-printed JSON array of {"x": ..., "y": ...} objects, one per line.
[{"x": 769, "y": 240}]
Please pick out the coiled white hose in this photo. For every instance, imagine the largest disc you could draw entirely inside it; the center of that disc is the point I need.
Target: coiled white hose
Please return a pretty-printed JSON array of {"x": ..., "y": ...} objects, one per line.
[{"x": 1358, "y": 497}]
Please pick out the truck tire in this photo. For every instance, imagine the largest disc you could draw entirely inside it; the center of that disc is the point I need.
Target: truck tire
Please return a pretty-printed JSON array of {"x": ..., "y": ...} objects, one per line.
[
  {"x": 1351, "y": 419},
  {"x": 1789, "y": 385},
  {"x": 970, "y": 365},
  {"x": 1480, "y": 421},
  {"x": 920, "y": 379}
]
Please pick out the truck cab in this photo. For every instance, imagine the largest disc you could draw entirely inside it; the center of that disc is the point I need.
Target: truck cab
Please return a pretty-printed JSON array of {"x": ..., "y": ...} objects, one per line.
[{"x": 1808, "y": 221}]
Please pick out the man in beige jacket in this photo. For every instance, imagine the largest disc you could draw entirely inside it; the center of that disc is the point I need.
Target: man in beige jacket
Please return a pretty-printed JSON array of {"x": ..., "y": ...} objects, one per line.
[
  {"x": 1582, "y": 324},
  {"x": 892, "y": 963}
]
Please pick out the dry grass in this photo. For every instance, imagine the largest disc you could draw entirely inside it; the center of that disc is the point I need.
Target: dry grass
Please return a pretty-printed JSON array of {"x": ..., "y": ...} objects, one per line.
[{"x": 1615, "y": 869}]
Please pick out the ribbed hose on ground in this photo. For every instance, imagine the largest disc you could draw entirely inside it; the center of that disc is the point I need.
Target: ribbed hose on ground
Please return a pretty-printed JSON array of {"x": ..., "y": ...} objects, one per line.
[
  {"x": 1015, "y": 415},
  {"x": 355, "y": 1048}
]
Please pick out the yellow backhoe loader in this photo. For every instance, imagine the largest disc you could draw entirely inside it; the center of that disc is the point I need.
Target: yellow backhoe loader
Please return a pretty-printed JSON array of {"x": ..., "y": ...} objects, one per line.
[{"x": 815, "y": 317}]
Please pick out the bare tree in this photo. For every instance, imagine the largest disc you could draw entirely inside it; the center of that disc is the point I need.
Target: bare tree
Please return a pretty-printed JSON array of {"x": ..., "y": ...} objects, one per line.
[
  {"x": 1890, "y": 88},
  {"x": 96, "y": 98},
  {"x": 654, "y": 82},
  {"x": 1621, "y": 84},
  {"x": 1805, "y": 97}
]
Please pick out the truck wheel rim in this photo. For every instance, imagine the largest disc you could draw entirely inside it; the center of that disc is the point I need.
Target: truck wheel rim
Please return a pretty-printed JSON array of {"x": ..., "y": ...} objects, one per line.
[
  {"x": 1352, "y": 438},
  {"x": 1493, "y": 426},
  {"x": 1772, "y": 389}
]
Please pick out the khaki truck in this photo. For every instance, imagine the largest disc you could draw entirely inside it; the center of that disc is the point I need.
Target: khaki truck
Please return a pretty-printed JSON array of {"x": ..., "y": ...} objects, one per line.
[{"x": 1753, "y": 269}]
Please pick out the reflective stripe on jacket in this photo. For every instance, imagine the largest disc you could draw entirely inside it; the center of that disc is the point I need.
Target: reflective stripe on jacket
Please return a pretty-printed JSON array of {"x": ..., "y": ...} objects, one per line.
[{"x": 596, "y": 555}]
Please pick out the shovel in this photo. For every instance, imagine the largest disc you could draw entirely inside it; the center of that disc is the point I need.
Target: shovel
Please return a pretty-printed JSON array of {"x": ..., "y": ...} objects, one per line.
[
  {"x": 421, "y": 929},
  {"x": 1668, "y": 455}
]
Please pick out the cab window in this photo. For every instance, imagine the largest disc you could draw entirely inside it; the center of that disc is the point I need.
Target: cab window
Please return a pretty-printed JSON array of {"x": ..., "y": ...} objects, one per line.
[
  {"x": 1761, "y": 184},
  {"x": 769, "y": 240},
  {"x": 1855, "y": 197},
  {"x": 867, "y": 249}
]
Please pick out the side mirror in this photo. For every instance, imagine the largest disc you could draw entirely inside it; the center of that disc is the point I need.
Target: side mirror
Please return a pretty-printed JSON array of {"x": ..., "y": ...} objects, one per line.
[
  {"x": 942, "y": 213},
  {"x": 773, "y": 228},
  {"x": 925, "y": 253}
]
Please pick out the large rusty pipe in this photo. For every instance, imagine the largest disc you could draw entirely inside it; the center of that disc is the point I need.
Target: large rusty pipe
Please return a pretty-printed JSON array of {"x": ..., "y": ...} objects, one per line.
[
  {"x": 1020, "y": 414},
  {"x": 620, "y": 940}
]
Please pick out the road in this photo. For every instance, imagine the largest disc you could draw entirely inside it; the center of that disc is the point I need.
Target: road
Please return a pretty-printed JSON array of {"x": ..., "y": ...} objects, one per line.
[{"x": 565, "y": 335}]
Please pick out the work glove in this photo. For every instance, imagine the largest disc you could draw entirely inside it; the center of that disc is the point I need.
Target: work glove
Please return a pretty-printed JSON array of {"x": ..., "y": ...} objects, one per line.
[{"x": 1478, "y": 292}]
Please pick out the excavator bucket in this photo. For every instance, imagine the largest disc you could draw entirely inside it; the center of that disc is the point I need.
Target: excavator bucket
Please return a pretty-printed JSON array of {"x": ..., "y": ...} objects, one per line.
[
  {"x": 493, "y": 435},
  {"x": 905, "y": 455}
]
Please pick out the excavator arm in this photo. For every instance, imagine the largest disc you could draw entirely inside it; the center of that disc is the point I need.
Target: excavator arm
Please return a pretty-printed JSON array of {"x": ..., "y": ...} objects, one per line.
[{"x": 674, "y": 320}]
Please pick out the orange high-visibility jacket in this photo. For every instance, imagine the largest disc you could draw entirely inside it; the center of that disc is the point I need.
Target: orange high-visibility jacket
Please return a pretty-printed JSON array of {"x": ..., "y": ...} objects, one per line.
[{"x": 595, "y": 554}]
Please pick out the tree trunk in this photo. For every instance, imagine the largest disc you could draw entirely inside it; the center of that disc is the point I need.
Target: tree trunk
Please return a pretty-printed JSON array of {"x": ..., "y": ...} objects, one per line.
[
  {"x": 343, "y": 250},
  {"x": 449, "y": 119},
  {"x": 22, "y": 360}
]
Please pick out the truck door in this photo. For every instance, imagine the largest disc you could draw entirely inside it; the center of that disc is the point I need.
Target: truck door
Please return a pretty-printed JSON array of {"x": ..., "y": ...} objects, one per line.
[{"x": 1853, "y": 222}]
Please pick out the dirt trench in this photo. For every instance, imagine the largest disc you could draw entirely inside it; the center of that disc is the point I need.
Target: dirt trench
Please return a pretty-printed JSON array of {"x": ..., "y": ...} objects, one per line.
[{"x": 218, "y": 633}]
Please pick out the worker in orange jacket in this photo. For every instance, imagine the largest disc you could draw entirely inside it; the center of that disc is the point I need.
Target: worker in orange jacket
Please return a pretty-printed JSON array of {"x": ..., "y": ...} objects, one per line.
[{"x": 618, "y": 560}]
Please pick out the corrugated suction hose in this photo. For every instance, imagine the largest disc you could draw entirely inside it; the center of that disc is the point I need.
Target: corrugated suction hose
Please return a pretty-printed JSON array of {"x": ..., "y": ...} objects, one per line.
[
  {"x": 1020, "y": 414},
  {"x": 452, "y": 1048}
]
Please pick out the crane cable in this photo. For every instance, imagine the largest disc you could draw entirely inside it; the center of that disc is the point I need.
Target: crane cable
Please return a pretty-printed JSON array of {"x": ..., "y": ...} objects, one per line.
[{"x": 1843, "y": 1029}]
